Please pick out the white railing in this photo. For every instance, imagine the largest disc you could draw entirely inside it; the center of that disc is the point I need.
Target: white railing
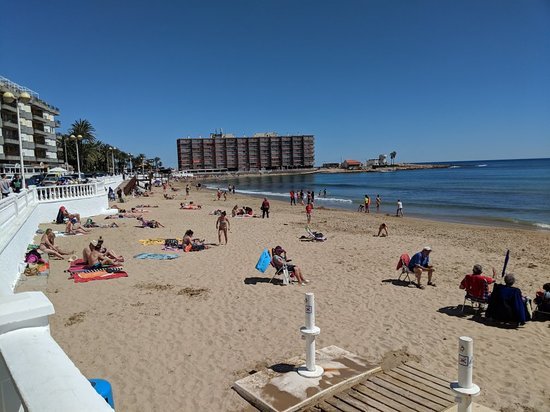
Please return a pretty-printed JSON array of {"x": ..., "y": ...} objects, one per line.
[
  {"x": 47, "y": 380},
  {"x": 69, "y": 191}
]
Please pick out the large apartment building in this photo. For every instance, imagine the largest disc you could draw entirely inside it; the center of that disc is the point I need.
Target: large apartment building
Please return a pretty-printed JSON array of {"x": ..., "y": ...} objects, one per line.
[
  {"x": 37, "y": 123},
  {"x": 263, "y": 151}
]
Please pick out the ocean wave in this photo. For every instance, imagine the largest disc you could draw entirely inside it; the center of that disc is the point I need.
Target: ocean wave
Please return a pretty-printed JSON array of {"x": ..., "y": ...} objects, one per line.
[
  {"x": 484, "y": 165},
  {"x": 542, "y": 225},
  {"x": 455, "y": 167},
  {"x": 277, "y": 194}
]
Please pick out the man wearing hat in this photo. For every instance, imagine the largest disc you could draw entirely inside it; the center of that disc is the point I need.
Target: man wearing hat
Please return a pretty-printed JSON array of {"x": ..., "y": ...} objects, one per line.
[
  {"x": 420, "y": 263},
  {"x": 279, "y": 259}
]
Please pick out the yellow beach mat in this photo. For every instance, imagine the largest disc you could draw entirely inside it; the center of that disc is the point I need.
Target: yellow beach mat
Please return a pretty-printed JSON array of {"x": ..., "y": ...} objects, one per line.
[{"x": 157, "y": 241}]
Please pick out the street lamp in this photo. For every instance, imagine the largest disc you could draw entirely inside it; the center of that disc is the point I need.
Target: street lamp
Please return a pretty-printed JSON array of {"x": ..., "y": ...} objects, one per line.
[
  {"x": 23, "y": 98},
  {"x": 76, "y": 139},
  {"x": 131, "y": 167},
  {"x": 112, "y": 149}
]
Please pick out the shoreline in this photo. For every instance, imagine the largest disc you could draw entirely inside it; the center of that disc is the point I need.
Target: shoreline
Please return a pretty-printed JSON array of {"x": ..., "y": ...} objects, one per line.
[
  {"x": 464, "y": 220},
  {"x": 206, "y": 319}
]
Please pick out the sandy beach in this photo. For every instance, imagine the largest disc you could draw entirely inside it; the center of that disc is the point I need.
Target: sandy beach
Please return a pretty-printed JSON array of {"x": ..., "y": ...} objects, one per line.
[{"x": 176, "y": 334}]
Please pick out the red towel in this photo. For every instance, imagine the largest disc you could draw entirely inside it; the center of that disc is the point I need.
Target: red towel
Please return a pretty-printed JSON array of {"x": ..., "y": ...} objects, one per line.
[
  {"x": 99, "y": 275},
  {"x": 403, "y": 260}
]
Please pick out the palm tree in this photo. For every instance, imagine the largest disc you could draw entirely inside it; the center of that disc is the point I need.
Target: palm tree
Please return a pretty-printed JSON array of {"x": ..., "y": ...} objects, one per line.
[
  {"x": 392, "y": 156},
  {"x": 85, "y": 129}
]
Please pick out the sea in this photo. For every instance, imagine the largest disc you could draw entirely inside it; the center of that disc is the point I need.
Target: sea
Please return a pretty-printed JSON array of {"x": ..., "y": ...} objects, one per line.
[{"x": 486, "y": 192}]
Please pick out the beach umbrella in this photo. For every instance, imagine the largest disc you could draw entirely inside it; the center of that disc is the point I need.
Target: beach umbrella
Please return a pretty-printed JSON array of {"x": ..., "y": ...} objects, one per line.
[{"x": 505, "y": 262}]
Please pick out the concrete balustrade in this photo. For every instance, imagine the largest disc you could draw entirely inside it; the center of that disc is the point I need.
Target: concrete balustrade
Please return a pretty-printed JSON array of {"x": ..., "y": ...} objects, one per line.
[{"x": 35, "y": 373}]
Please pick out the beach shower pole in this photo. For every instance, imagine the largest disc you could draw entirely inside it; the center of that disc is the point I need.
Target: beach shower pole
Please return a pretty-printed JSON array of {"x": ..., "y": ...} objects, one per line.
[
  {"x": 310, "y": 370},
  {"x": 464, "y": 388}
]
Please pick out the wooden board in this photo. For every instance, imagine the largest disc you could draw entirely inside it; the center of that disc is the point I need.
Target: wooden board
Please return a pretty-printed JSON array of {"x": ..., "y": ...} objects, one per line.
[{"x": 404, "y": 388}]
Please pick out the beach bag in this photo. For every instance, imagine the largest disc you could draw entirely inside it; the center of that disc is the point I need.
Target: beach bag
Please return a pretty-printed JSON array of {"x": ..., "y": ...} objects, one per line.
[
  {"x": 264, "y": 261},
  {"x": 33, "y": 256},
  {"x": 171, "y": 243}
]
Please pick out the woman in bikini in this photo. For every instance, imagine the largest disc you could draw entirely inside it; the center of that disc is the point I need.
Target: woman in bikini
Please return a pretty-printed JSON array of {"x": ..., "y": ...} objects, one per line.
[
  {"x": 222, "y": 224},
  {"x": 73, "y": 229},
  {"x": 47, "y": 245}
]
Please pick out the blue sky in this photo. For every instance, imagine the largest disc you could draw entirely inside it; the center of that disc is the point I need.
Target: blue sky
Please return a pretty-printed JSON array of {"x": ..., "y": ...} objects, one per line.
[{"x": 432, "y": 80}]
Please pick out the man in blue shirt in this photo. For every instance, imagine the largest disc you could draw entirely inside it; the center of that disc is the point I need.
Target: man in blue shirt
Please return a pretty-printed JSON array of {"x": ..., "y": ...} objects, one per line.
[{"x": 420, "y": 263}]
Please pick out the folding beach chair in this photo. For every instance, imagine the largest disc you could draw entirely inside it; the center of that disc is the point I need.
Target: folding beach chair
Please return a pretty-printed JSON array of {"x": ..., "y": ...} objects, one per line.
[
  {"x": 283, "y": 270},
  {"x": 403, "y": 264},
  {"x": 542, "y": 307},
  {"x": 480, "y": 301}
]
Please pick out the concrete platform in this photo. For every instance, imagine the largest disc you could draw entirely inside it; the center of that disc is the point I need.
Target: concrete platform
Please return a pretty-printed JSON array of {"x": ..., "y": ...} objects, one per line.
[
  {"x": 475, "y": 408},
  {"x": 279, "y": 388}
]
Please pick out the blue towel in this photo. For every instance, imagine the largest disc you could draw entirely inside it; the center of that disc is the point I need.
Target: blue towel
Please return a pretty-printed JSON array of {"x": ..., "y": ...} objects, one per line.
[
  {"x": 157, "y": 256},
  {"x": 264, "y": 261}
]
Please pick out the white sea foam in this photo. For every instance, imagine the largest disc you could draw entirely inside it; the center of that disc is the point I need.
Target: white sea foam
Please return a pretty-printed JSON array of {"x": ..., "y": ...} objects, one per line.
[
  {"x": 481, "y": 166},
  {"x": 542, "y": 225},
  {"x": 454, "y": 167},
  {"x": 277, "y": 194}
]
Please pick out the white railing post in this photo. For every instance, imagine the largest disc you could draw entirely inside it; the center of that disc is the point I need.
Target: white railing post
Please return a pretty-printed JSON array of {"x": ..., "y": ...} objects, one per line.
[
  {"x": 310, "y": 370},
  {"x": 464, "y": 388}
]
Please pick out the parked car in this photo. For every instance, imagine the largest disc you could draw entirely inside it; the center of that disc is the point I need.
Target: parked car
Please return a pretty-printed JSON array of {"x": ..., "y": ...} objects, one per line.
[
  {"x": 35, "y": 180},
  {"x": 49, "y": 181}
]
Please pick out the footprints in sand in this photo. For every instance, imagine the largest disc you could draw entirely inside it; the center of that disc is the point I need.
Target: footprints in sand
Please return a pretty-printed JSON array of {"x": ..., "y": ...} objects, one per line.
[
  {"x": 75, "y": 318},
  {"x": 187, "y": 291}
]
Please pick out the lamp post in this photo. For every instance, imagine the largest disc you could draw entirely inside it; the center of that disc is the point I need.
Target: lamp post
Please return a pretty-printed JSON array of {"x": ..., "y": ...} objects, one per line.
[
  {"x": 76, "y": 139},
  {"x": 130, "y": 154},
  {"x": 23, "y": 98},
  {"x": 112, "y": 149}
]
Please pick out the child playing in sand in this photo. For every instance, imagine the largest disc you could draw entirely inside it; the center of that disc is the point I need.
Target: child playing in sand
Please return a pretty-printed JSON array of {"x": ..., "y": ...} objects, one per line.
[{"x": 383, "y": 228}]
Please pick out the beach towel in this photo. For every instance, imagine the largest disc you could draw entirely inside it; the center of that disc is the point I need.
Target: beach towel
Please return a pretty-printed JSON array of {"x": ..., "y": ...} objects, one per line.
[
  {"x": 404, "y": 259},
  {"x": 263, "y": 261},
  {"x": 157, "y": 256},
  {"x": 97, "y": 275}
]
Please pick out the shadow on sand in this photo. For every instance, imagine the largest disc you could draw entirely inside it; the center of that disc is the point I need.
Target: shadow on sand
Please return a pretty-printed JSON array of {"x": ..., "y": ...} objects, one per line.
[
  {"x": 456, "y": 311},
  {"x": 397, "y": 282},
  {"x": 255, "y": 279}
]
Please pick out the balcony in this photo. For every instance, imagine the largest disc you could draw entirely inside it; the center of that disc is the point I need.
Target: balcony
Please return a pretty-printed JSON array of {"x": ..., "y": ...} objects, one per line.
[
  {"x": 9, "y": 124},
  {"x": 38, "y": 117}
]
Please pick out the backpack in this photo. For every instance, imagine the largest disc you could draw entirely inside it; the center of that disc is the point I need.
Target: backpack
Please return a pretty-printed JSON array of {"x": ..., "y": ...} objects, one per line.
[{"x": 172, "y": 243}]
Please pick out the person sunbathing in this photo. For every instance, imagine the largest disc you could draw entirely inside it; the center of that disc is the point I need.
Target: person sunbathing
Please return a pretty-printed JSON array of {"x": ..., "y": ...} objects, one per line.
[
  {"x": 169, "y": 197},
  {"x": 47, "y": 244},
  {"x": 235, "y": 211},
  {"x": 63, "y": 214},
  {"x": 477, "y": 284},
  {"x": 93, "y": 257},
  {"x": 153, "y": 224},
  {"x": 190, "y": 244},
  {"x": 506, "y": 303},
  {"x": 141, "y": 206},
  {"x": 109, "y": 253},
  {"x": 123, "y": 215},
  {"x": 190, "y": 206},
  {"x": 280, "y": 259},
  {"x": 74, "y": 228}
]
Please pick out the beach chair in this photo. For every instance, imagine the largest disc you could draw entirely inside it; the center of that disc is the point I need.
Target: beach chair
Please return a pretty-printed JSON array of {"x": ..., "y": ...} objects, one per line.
[
  {"x": 542, "y": 307},
  {"x": 283, "y": 270},
  {"x": 480, "y": 301},
  {"x": 403, "y": 264}
]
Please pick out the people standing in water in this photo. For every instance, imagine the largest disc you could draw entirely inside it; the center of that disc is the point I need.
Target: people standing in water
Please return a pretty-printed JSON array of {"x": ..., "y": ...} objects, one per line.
[
  {"x": 367, "y": 204},
  {"x": 222, "y": 224},
  {"x": 399, "y": 208},
  {"x": 378, "y": 203},
  {"x": 312, "y": 196},
  {"x": 292, "y": 198},
  {"x": 325, "y": 192}
]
